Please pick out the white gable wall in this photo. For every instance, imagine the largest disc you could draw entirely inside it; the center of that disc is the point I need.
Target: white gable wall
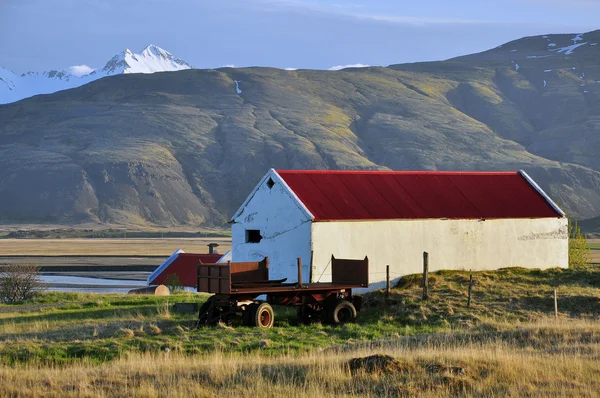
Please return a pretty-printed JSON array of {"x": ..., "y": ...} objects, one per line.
[
  {"x": 284, "y": 225},
  {"x": 451, "y": 244}
]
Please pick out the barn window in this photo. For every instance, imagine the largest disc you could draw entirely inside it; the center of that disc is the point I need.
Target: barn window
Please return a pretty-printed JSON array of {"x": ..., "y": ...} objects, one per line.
[
  {"x": 253, "y": 236},
  {"x": 270, "y": 183}
]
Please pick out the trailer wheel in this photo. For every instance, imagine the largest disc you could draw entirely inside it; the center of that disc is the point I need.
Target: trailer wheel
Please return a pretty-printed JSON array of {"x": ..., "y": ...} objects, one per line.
[
  {"x": 262, "y": 315},
  {"x": 206, "y": 311},
  {"x": 341, "y": 312}
]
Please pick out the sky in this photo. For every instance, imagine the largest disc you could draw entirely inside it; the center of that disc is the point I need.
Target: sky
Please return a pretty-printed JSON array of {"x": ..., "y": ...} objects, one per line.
[{"x": 38, "y": 35}]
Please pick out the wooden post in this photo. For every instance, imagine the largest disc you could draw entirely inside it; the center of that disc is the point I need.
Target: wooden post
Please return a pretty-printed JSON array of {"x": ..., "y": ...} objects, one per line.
[
  {"x": 299, "y": 272},
  {"x": 310, "y": 267},
  {"x": 425, "y": 275},
  {"x": 470, "y": 288},
  {"x": 555, "y": 304},
  {"x": 387, "y": 281}
]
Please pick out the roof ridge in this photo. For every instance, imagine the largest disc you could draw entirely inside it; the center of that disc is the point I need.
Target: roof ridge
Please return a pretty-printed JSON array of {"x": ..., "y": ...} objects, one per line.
[{"x": 400, "y": 172}]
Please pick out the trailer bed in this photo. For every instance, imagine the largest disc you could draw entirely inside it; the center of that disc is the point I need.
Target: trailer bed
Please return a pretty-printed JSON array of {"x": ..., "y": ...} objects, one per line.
[
  {"x": 253, "y": 277},
  {"x": 282, "y": 288},
  {"x": 237, "y": 286}
]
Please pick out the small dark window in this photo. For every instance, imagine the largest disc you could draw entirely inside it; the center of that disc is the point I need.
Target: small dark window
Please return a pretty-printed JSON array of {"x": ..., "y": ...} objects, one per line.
[
  {"x": 270, "y": 183},
  {"x": 253, "y": 236}
]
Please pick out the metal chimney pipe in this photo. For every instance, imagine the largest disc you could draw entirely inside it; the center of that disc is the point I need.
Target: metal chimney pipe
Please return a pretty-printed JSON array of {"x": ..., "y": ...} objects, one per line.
[{"x": 212, "y": 248}]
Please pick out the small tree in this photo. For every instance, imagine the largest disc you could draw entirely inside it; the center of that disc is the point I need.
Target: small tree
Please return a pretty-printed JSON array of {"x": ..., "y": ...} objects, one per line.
[
  {"x": 18, "y": 283},
  {"x": 579, "y": 250},
  {"x": 174, "y": 284}
]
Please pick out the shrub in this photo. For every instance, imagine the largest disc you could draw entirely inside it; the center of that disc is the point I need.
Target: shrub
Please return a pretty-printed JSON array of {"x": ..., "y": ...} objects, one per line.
[
  {"x": 174, "y": 284},
  {"x": 579, "y": 250},
  {"x": 19, "y": 283}
]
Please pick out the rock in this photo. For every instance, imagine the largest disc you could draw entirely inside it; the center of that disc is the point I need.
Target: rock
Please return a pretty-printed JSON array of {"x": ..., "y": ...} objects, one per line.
[
  {"x": 185, "y": 308},
  {"x": 376, "y": 363},
  {"x": 264, "y": 343}
]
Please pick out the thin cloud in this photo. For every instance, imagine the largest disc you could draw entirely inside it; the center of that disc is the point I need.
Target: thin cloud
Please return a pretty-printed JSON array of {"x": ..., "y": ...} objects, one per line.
[
  {"x": 340, "y": 67},
  {"x": 427, "y": 20},
  {"x": 80, "y": 70},
  {"x": 363, "y": 13},
  {"x": 359, "y": 12}
]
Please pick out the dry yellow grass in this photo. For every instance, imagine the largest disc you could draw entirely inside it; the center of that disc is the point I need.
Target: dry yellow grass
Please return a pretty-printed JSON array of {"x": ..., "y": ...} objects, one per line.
[
  {"x": 561, "y": 359},
  {"x": 93, "y": 247}
]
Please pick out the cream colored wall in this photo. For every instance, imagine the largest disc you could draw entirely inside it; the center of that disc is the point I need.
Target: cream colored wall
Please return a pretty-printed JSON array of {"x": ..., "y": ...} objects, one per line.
[{"x": 451, "y": 244}]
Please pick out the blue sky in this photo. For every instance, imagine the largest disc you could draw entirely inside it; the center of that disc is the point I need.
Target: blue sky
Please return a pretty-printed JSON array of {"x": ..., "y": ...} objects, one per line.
[{"x": 50, "y": 34}]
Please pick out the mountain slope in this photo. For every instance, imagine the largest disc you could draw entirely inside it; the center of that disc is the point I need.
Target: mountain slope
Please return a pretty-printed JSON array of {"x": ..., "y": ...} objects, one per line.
[
  {"x": 187, "y": 147},
  {"x": 151, "y": 59}
]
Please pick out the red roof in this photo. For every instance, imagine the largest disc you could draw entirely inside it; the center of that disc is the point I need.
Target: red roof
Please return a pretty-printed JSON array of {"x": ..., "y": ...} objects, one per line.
[
  {"x": 378, "y": 195},
  {"x": 184, "y": 268}
]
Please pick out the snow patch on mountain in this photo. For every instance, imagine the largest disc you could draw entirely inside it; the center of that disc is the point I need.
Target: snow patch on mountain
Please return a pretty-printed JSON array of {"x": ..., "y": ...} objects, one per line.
[
  {"x": 340, "y": 67},
  {"x": 80, "y": 70},
  {"x": 150, "y": 60},
  {"x": 568, "y": 50}
]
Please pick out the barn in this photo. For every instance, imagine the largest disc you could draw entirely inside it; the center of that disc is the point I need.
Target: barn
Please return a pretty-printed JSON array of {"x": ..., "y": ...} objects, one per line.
[{"x": 464, "y": 220}]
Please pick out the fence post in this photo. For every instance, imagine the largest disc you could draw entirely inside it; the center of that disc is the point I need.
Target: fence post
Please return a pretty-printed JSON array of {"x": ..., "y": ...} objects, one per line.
[
  {"x": 555, "y": 304},
  {"x": 299, "y": 272},
  {"x": 470, "y": 288},
  {"x": 387, "y": 281},
  {"x": 425, "y": 275},
  {"x": 310, "y": 267}
]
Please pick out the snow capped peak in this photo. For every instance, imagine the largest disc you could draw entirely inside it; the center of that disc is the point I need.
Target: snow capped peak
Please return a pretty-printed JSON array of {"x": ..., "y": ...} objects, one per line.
[
  {"x": 151, "y": 59},
  {"x": 155, "y": 51}
]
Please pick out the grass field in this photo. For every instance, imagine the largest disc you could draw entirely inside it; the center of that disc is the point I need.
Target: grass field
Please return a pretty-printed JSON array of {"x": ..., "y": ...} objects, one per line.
[
  {"x": 535, "y": 360},
  {"x": 94, "y": 247},
  {"x": 507, "y": 342}
]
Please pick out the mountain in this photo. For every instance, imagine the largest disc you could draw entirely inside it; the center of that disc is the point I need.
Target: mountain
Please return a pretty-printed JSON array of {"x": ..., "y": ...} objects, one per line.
[
  {"x": 185, "y": 148},
  {"x": 591, "y": 227},
  {"x": 151, "y": 59}
]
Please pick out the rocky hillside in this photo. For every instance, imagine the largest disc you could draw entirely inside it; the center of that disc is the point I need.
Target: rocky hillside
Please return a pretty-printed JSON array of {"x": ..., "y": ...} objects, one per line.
[{"x": 186, "y": 147}]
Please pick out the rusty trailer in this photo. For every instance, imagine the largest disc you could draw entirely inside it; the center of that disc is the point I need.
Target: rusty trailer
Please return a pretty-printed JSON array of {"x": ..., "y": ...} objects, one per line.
[{"x": 237, "y": 285}]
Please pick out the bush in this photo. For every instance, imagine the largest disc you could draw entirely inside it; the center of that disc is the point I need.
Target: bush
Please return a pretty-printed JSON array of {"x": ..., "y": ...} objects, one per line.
[
  {"x": 19, "y": 283},
  {"x": 579, "y": 250},
  {"x": 174, "y": 284}
]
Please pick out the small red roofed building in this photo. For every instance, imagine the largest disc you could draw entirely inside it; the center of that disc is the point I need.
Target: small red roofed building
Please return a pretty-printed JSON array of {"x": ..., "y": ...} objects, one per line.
[{"x": 181, "y": 267}]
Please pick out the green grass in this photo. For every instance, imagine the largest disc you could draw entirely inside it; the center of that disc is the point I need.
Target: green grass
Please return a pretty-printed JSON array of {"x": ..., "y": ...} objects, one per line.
[{"x": 58, "y": 328}]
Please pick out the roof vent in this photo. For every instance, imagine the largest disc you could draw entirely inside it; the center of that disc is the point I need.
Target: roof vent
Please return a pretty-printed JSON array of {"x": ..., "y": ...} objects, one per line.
[{"x": 270, "y": 183}]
